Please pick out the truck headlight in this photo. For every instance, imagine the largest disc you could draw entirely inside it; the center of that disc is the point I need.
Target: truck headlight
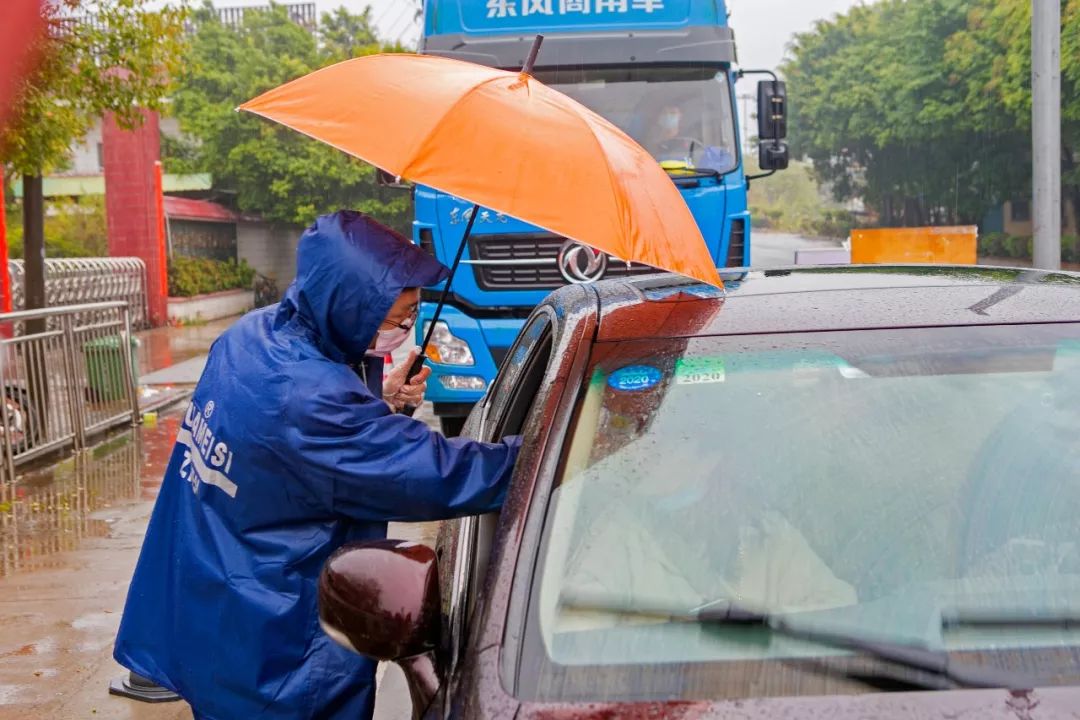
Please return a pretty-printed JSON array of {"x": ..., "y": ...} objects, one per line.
[
  {"x": 446, "y": 348},
  {"x": 463, "y": 382}
]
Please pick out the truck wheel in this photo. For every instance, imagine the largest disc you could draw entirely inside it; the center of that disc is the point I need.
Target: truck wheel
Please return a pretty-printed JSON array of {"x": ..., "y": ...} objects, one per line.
[{"x": 451, "y": 426}]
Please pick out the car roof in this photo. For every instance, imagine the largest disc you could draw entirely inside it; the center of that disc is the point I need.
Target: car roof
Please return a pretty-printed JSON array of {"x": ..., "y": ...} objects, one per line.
[{"x": 809, "y": 299}]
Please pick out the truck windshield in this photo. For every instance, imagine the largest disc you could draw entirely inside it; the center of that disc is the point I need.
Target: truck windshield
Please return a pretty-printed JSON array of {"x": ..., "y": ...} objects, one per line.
[{"x": 679, "y": 114}]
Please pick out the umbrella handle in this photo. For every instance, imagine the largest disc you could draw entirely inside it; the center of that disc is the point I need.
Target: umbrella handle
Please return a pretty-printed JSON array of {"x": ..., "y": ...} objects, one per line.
[{"x": 414, "y": 369}]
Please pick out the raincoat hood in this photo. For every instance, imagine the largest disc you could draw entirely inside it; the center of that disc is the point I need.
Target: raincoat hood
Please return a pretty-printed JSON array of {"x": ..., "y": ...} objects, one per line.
[{"x": 349, "y": 271}]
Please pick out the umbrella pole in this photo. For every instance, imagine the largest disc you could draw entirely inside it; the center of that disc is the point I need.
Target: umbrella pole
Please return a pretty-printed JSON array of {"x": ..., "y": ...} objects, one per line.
[
  {"x": 418, "y": 364},
  {"x": 533, "y": 52}
]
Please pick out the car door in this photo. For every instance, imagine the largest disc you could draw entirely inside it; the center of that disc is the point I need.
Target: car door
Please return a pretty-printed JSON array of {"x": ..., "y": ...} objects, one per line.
[{"x": 464, "y": 545}]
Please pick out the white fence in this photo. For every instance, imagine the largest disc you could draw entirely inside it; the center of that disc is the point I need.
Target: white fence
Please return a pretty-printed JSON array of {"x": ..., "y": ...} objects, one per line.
[{"x": 75, "y": 281}]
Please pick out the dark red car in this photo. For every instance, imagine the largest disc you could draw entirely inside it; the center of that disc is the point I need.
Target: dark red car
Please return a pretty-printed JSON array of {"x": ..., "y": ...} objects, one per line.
[{"x": 822, "y": 493}]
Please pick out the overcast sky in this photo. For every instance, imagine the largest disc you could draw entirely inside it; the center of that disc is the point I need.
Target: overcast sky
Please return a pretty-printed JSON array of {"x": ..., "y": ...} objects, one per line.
[{"x": 762, "y": 27}]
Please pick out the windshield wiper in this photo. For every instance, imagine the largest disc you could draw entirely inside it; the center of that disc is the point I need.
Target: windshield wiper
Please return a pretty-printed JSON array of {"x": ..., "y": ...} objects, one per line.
[
  {"x": 691, "y": 173},
  {"x": 935, "y": 662},
  {"x": 1006, "y": 618}
]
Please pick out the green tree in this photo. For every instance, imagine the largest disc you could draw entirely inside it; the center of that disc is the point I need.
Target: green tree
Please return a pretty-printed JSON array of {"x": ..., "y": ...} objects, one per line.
[
  {"x": 992, "y": 58},
  {"x": 882, "y": 102},
  {"x": 273, "y": 171},
  {"x": 345, "y": 35},
  {"x": 118, "y": 61},
  {"x": 793, "y": 201},
  {"x": 73, "y": 228}
]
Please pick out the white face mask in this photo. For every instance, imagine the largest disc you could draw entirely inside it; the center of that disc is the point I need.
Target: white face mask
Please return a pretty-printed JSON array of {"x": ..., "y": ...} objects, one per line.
[
  {"x": 670, "y": 121},
  {"x": 387, "y": 341}
]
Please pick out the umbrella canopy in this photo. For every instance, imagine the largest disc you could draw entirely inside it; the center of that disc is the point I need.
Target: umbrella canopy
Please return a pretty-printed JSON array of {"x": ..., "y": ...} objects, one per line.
[{"x": 504, "y": 141}]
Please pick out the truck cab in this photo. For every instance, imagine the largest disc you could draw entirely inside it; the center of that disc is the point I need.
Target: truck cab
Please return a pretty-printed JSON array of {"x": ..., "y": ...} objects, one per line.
[{"x": 662, "y": 71}]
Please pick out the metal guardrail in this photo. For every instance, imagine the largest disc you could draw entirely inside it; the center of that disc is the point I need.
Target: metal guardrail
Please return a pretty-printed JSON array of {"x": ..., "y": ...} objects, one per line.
[
  {"x": 66, "y": 383},
  {"x": 70, "y": 281}
]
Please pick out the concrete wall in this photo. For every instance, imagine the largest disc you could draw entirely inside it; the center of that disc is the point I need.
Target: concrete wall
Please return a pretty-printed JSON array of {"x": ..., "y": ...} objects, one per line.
[
  {"x": 1017, "y": 219},
  {"x": 211, "y": 307},
  {"x": 270, "y": 249},
  {"x": 86, "y": 156}
]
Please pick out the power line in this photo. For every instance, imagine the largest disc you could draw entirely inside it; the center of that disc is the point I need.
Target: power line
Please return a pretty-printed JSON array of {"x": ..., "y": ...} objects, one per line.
[
  {"x": 404, "y": 33},
  {"x": 412, "y": 19},
  {"x": 392, "y": 28},
  {"x": 389, "y": 6}
]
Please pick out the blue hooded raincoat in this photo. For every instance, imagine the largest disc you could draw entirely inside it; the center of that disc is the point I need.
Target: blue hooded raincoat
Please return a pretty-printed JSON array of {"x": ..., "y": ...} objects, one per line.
[{"x": 283, "y": 456}]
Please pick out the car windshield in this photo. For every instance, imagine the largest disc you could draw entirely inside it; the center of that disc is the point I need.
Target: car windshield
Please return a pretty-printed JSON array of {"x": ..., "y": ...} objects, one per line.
[
  {"x": 679, "y": 114},
  {"x": 890, "y": 484}
]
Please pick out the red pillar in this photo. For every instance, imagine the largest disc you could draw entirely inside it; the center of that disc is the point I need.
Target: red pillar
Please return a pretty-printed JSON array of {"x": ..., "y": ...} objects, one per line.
[
  {"x": 5, "y": 277},
  {"x": 159, "y": 218},
  {"x": 132, "y": 204}
]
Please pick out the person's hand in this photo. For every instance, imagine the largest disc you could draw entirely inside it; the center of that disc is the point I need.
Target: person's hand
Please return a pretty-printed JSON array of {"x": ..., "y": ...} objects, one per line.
[{"x": 397, "y": 393}]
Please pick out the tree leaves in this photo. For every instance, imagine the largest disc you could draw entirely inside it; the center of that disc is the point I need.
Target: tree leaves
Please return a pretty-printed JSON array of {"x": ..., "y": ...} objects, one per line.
[
  {"x": 922, "y": 107},
  {"x": 272, "y": 171},
  {"x": 119, "y": 62}
]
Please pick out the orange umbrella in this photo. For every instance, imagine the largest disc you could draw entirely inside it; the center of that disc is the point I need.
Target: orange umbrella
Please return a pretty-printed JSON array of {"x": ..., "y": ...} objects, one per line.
[{"x": 501, "y": 140}]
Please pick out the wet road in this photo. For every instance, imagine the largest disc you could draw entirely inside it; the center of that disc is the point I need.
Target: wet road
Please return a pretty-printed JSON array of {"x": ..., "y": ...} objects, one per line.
[
  {"x": 769, "y": 249},
  {"x": 70, "y": 540},
  {"x": 166, "y": 346}
]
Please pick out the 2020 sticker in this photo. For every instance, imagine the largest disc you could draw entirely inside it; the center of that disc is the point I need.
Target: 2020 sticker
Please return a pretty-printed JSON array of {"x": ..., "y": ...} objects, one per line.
[{"x": 634, "y": 378}]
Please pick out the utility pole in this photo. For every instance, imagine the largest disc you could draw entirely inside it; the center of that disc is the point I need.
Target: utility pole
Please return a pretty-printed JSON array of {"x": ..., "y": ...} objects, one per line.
[{"x": 1046, "y": 131}]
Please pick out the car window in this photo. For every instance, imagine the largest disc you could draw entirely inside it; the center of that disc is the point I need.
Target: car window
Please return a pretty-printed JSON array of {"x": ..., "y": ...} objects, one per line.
[
  {"x": 521, "y": 358},
  {"x": 507, "y": 403},
  {"x": 868, "y": 482}
]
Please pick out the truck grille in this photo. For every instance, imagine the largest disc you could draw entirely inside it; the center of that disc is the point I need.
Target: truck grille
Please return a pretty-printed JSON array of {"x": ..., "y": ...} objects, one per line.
[
  {"x": 541, "y": 274},
  {"x": 737, "y": 246}
]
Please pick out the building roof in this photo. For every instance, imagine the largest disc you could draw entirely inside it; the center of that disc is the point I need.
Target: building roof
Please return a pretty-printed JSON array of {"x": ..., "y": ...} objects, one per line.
[{"x": 181, "y": 208}]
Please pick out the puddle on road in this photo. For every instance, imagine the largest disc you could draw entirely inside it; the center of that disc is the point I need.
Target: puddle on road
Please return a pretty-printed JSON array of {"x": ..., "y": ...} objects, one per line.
[
  {"x": 55, "y": 509},
  {"x": 166, "y": 346}
]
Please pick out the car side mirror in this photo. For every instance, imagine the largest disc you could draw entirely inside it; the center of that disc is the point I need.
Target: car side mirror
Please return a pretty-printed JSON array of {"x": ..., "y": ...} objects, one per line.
[
  {"x": 388, "y": 180},
  {"x": 773, "y": 155},
  {"x": 381, "y": 599},
  {"x": 772, "y": 110}
]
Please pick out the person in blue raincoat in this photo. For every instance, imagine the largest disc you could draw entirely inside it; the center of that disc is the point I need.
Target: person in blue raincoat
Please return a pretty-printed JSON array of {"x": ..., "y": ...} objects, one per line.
[{"x": 284, "y": 455}]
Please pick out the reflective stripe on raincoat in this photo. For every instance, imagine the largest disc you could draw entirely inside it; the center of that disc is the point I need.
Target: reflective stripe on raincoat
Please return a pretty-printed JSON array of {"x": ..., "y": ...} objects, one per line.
[{"x": 284, "y": 455}]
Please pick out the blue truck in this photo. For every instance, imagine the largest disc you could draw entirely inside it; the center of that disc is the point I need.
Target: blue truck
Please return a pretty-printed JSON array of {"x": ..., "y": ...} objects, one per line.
[{"x": 664, "y": 72}]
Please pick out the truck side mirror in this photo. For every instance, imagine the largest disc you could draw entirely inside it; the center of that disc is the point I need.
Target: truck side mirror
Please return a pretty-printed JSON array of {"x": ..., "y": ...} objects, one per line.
[
  {"x": 772, "y": 110},
  {"x": 381, "y": 599},
  {"x": 773, "y": 155},
  {"x": 388, "y": 180}
]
